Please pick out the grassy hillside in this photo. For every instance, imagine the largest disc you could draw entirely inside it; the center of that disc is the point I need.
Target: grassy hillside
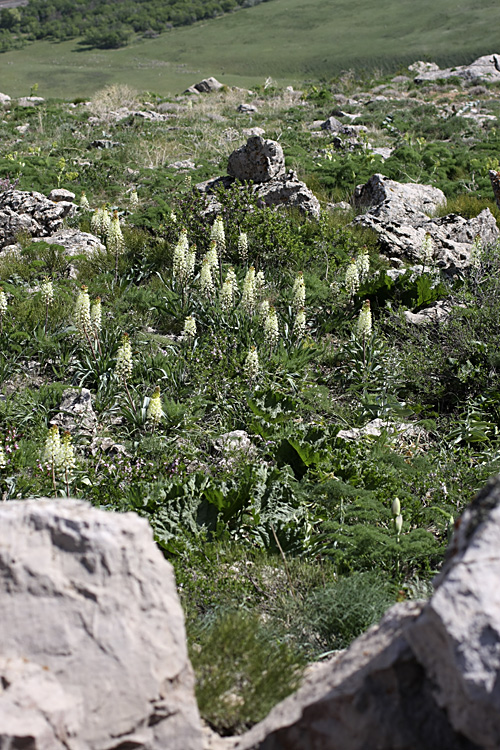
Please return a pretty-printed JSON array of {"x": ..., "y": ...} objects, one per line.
[
  {"x": 291, "y": 543},
  {"x": 286, "y": 39}
]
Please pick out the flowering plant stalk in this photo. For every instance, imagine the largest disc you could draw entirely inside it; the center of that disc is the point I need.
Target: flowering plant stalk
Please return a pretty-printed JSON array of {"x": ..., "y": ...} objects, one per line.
[
  {"x": 3, "y": 308},
  {"x": 96, "y": 320},
  {"x": 299, "y": 292},
  {"x": 271, "y": 328},
  {"x": 84, "y": 202},
  {"x": 243, "y": 247},
  {"x": 52, "y": 450},
  {"x": 82, "y": 319},
  {"x": 299, "y": 326},
  {"x": 218, "y": 236},
  {"x": 66, "y": 459},
  {"x": 47, "y": 291},
  {"x": 352, "y": 280},
  {"x": 114, "y": 240},
  {"x": 364, "y": 326},
  {"x": 134, "y": 200},
  {"x": 252, "y": 366},
  {"x": 154, "y": 412},
  {"x": 124, "y": 366},
  {"x": 189, "y": 330},
  {"x": 248, "y": 293}
]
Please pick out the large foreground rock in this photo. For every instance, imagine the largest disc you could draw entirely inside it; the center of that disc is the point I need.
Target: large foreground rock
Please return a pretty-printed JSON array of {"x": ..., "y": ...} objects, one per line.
[
  {"x": 396, "y": 215},
  {"x": 457, "y": 638},
  {"x": 93, "y": 643},
  {"x": 425, "y": 678},
  {"x": 22, "y": 211}
]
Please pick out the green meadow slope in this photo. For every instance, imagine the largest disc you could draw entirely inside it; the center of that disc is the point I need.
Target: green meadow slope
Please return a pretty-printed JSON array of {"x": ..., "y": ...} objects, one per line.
[{"x": 289, "y": 40}]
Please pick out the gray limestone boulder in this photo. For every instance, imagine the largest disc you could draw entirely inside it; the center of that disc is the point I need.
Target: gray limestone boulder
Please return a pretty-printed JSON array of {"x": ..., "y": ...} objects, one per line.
[
  {"x": 76, "y": 413},
  {"x": 30, "y": 101},
  {"x": 259, "y": 160},
  {"x": 247, "y": 109},
  {"x": 379, "y": 188},
  {"x": 75, "y": 242},
  {"x": 36, "y": 710},
  {"x": 262, "y": 163},
  {"x": 437, "y": 312},
  {"x": 332, "y": 125},
  {"x": 288, "y": 191},
  {"x": 31, "y": 212},
  {"x": 374, "y": 696},
  {"x": 233, "y": 448},
  {"x": 206, "y": 86},
  {"x": 457, "y": 637},
  {"x": 485, "y": 68},
  {"x": 396, "y": 214},
  {"x": 88, "y": 599},
  {"x": 60, "y": 194}
]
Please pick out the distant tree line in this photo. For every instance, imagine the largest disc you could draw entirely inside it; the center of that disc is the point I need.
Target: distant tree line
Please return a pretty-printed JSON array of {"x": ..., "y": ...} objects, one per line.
[{"x": 104, "y": 23}]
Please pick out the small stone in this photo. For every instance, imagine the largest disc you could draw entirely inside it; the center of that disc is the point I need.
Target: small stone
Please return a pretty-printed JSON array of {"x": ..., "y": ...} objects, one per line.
[{"x": 60, "y": 194}]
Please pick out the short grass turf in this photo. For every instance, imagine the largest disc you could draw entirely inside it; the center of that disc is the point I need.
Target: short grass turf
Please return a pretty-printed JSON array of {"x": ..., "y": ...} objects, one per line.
[{"x": 288, "y": 40}]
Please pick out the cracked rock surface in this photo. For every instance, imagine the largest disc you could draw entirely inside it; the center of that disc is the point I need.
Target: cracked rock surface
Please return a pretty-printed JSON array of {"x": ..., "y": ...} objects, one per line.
[{"x": 87, "y": 599}]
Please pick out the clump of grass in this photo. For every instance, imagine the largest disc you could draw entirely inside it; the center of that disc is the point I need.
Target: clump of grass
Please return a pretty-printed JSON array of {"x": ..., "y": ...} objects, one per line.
[
  {"x": 338, "y": 613},
  {"x": 243, "y": 669},
  {"x": 111, "y": 98},
  {"x": 469, "y": 205}
]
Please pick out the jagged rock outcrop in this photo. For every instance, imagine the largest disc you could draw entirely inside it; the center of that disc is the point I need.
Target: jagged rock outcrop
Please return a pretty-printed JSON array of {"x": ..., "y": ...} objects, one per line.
[
  {"x": 259, "y": 160},
  {"x": 206, "y": 86},
  {"x": 457, "y": 637},
  {"x": 76, "y": 413},
  {"x": 88, "y": 607},
  {"x": 31, "y": 212},
  {"x": 485, "y": 68},
  {"x": 261, "y": 163},
  {"x": 288, "y": 191},
  {"x": 402, "y": 225},
  {"x": 424, "y": 678},
  {"x": 379, "y": 188}
]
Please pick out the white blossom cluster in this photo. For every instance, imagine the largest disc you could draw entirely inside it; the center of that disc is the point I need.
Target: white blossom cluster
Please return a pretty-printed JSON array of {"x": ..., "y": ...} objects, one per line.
[
  {"x": 81, "y": 313},
  {"x": 271, "y": 327},
  {"x": 364, "y": 323},
  {"x": 100, "y": 221},
  {"x": 124, "y": 363},
  {"x": 252, "y": 366},
  {"x": 299, "y": 292},
  {"x": 114, "y": 236},
  {"x": 184, "y": 259},
  {"x": 154, "y": 413},
  {"x": 352, "y": 280},
  {"x": 243, "y": 247},
  {"x": 218, "y": 234},
  {"x": 59, "y": 454}
]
